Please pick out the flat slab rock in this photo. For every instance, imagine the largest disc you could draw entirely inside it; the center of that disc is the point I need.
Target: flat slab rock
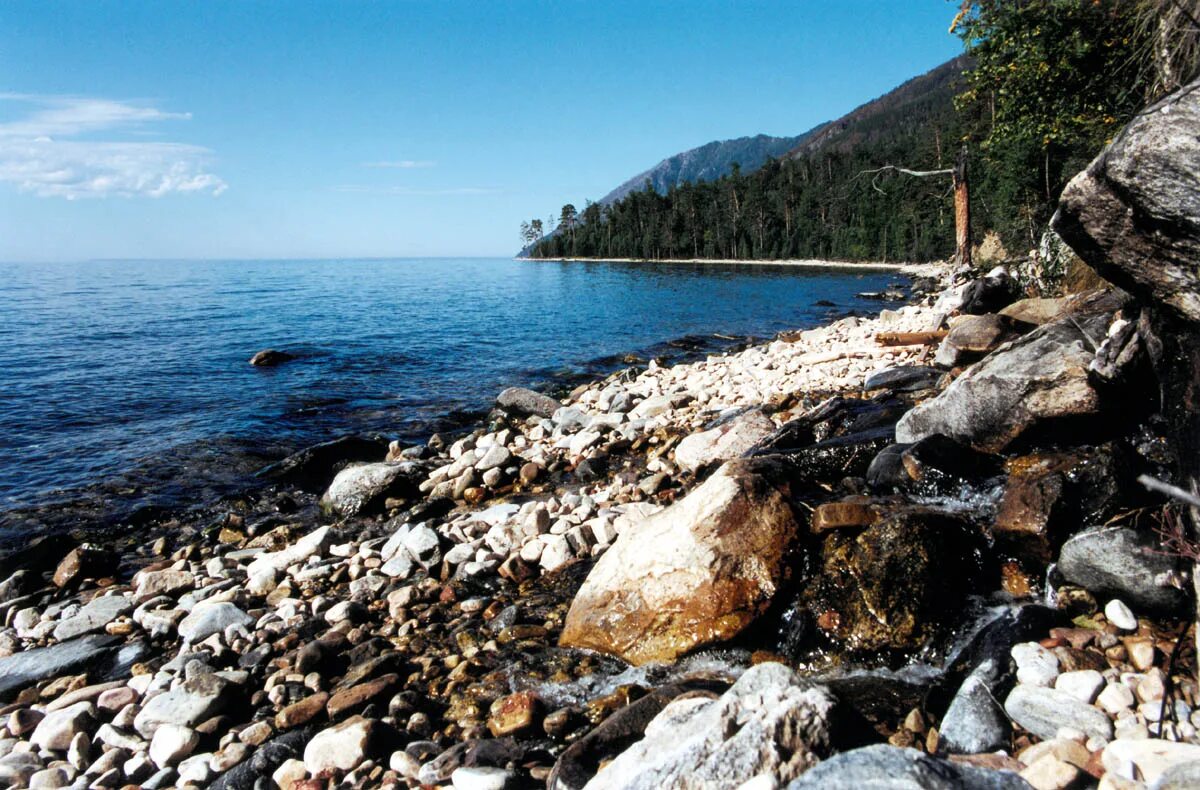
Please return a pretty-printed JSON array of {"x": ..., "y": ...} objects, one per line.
[{"x": 30, "y": 666}]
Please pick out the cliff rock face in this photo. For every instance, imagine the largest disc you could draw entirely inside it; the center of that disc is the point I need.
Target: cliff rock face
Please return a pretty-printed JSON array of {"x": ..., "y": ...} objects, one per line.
[
  {"x": 1134, "y": 214},
  {"x": 695, "y": 574}
]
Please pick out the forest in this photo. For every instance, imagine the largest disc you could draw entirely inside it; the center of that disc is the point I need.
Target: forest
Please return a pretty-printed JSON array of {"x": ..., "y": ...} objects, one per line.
[{"x": 1042, "y": 86}]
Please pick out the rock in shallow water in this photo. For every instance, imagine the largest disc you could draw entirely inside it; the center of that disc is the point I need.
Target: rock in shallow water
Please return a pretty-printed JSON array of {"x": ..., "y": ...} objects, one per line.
[
  {"x": 768, "y": 722},
  {"x": 524, "y": 402},
  {"x": 696, "y": 573}
]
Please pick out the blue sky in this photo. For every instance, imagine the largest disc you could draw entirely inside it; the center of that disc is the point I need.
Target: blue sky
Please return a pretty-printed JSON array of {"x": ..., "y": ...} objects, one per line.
[{"x": 407, "y": 128}]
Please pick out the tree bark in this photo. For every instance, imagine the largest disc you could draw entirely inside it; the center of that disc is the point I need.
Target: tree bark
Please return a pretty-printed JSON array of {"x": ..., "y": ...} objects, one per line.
[{"x": 962, "y": 211}]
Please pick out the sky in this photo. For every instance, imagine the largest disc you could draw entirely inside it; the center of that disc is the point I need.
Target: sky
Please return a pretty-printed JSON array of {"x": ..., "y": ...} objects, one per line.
[{"x": 405, "y": 128}]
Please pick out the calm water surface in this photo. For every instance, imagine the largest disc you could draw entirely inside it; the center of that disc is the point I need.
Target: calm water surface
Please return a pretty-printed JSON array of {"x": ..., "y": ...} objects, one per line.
[{"x": 108, "y": 366}]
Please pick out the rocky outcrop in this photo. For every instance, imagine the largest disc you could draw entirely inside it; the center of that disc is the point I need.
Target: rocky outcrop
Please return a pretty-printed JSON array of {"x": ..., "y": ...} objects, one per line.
[
  {"x": 769, "y": 722},
  {"x": 1040, "y": 380},
  {"x": 1134, "y": 214},
  {"x": 724, "y": 442},
  {"x": 692, "y": 575}
]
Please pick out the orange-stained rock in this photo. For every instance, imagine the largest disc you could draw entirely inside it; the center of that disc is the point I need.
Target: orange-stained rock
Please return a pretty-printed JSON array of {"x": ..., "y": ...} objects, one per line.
[
  {"x": 844, "y": 514},
  {"x": 692, "y": 575}
]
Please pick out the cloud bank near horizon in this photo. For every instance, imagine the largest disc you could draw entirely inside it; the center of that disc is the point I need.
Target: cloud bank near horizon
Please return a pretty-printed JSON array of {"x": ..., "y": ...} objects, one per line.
[{"x": 35, "y": 157}]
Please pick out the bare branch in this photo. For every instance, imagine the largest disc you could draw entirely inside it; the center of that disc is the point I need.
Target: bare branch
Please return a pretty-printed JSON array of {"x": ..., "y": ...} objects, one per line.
[{"x": 1175, "y": 492}]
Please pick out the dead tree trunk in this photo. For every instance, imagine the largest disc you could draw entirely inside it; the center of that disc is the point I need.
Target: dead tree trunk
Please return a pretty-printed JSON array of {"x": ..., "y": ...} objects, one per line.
[{"x": 962, "y": 211}]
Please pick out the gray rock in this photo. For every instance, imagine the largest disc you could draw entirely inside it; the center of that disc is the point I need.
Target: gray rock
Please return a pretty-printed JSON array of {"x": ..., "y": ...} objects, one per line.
[
  {"x": 1122, "y": 562},
  {"x": 1131, "y": 215},
  {"x": 494, "y": 456},
  {"x": 96, "y": 614},
  {"x": 570, "y": 419},
  {"x": 975, "y": 723},
  {"x": 207, "y": 619},
  {"x": 883, "y": 767},
  {"x": 364, "y": 488},
  {"x": 424, "y": 544},
  {"x": 525, "y": 403},
  {"x": 769, "y": 721},
  {"x": 1043, "y": 711},
  {"x": 195, "y": 700},
  {"x": 1039, "y": 380},
  {"x": 725, "y": 442}
]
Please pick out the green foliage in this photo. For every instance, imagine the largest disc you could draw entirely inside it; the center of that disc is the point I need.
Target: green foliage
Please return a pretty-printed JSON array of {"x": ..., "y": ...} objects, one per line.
[{"x": 1053, "y": 81}]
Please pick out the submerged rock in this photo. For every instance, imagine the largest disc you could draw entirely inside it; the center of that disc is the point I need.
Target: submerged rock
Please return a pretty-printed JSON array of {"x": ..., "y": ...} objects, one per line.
[
  {"x": 694, "y": 574},
  {"x": 769, "y": 722},
  {"x": 316, "y": 465},
  {"x": 883, "y": 767},
  {"x": 1132, "y": 214},
  {"x": 269, "y": 358},
  {"x": 1040, "y": 380}
]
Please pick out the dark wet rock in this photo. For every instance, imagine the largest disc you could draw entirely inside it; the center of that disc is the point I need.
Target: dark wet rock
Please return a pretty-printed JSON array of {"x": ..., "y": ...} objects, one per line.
[
  {"x": 886, "y": 587},
  {"x": 1122, "y": 562},
  {"x": 17, "y": 585},
  {"x": 882, "y": 767},
  {"x": 886, "y": 471},
  {"x": 1132, "y": 214},
  {"x": 1039, "y": 381},
  {"x": 524, "y": 402},
  {"x": 990, "y": 294},
  {"x": 313, "y": 467},
  {"x": 975, "y": 723},
  {"x": 696, "y": 573},
  {"x": 768, "y": 722},
  {"x": 904, "y": 378},
  {"x": 264, "y": 760},
  {"x": 939, "y": 464},
  {"x": 841, "y": 456},
  {"x": 87, "y": 561},
  {"x": 31, "y": 666},
  {"x": 1049, "y": 495},
  {"x": 269, "y": 358},
  {"x": 364, "y": 488}
]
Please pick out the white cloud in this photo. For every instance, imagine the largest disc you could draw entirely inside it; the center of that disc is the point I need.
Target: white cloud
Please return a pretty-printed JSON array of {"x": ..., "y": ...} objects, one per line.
[
  {"x": 403, "y": 164},
  {"x": 35, "y": 158}
]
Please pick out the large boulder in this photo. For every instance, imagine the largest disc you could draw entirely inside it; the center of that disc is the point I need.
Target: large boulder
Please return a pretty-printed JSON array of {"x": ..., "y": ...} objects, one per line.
[
  {"x": 363, "y": 488},
  {"x": 725, "y": 442},
  {"x": 1133, "y": 214},
  {"x": 769, "y": 722},
  {"x": 1038, "y": 381},
  {"x": 694, "y": 574}
]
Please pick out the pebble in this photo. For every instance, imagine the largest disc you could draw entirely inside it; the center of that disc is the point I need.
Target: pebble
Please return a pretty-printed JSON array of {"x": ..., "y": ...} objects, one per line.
[
  {"x": 1119, "y": 615},
  {"x": 1036, "y": 666},
  {"x": 1082, "y": 684},
  {"x": 481, "y": 778}
]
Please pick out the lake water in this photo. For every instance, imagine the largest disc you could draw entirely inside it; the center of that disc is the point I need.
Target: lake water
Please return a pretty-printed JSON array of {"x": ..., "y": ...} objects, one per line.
[{"x": 107, "y": 367}]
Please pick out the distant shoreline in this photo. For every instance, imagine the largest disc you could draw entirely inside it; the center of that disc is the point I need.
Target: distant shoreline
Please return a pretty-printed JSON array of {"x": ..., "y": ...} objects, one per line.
[{"x": 906, "y": 268}]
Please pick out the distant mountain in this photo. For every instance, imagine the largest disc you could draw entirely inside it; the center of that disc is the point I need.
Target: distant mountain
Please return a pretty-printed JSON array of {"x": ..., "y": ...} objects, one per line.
[
  {"x": 906, "y": 108},
  {"x": 707, "y": 163}
]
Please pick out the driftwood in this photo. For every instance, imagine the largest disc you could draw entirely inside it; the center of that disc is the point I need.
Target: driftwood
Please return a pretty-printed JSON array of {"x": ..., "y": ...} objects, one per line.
[{"x": 929, "y": 338}]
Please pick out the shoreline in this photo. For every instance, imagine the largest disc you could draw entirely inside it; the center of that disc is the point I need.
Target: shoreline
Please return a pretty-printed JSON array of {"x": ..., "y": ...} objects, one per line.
[{"x": 911, "y": 269}]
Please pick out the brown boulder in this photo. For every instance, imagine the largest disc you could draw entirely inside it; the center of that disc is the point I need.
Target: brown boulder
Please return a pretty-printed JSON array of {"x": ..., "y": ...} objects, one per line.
[{"x": 694, "y": 574}]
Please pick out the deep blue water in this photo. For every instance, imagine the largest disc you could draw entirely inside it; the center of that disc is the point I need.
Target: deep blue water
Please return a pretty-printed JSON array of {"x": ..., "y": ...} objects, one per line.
[{"x": 108, "y": 366}]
